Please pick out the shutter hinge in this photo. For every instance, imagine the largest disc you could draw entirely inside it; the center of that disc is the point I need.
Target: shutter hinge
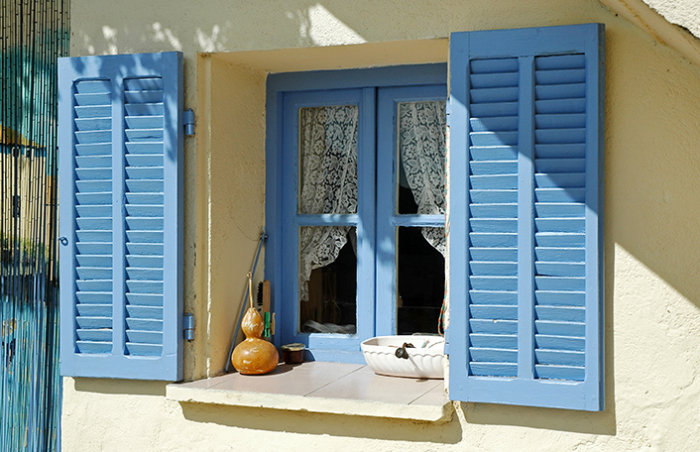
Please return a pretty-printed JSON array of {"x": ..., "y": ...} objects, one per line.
[
  {"x": 16, "y": 206},
  {"x": 188, "y": 326},
  {"x": 188, "y": 121}
]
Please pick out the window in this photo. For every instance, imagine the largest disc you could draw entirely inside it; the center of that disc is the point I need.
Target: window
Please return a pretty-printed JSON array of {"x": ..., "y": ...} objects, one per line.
[
  {"x": 362, "y": 204},
  {"x": 524, "y": 214}
]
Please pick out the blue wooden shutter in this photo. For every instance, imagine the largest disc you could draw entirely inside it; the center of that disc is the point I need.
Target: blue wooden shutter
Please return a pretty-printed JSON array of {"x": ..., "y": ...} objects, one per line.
[
  {"x": 526, "y": 273},
  {"x": 120, "y": 144}
]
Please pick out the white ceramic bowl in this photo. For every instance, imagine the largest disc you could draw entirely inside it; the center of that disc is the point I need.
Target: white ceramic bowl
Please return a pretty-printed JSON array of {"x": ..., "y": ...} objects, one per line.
[{"x": 425, "y": 360}]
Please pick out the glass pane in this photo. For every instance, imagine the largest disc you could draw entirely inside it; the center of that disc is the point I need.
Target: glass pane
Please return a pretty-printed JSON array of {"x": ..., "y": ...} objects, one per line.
[
  {"x": 328, "y": 159},
  {"x": 421, "y": 279},
  {"x": 327, "y": 279},
  {"x": 421, "y": 142}
]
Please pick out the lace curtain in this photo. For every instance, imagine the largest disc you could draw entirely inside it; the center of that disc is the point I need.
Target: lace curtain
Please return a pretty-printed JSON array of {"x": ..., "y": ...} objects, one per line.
[
  {"x": 422, "y": 155},
  {"x": 328, "y": 174}
]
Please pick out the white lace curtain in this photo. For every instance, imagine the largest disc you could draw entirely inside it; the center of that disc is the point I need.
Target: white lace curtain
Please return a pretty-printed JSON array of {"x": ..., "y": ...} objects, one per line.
[
  {"x": 422, "y": 156},
  {"x": 328, "y": 174}
]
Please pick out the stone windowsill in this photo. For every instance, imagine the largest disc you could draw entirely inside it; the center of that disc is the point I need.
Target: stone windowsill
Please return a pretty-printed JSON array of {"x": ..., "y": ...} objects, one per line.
[{"x": 346, "y": 389}]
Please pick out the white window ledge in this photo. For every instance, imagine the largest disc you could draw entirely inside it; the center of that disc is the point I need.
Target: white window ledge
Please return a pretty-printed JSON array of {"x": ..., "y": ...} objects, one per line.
[{"x": 346, "y": 389}]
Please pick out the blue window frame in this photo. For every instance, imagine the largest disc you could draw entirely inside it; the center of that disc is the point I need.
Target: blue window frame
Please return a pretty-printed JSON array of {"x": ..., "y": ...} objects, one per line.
[{"x": 376, "y": 93}]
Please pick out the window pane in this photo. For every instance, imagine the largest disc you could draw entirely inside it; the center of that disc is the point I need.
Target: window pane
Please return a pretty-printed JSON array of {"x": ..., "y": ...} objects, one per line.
[
  {"x": 421, "y": 172},
  {"x": 421, "y": 279},
  {"x": 327, "y": 279},
  {"x": 328, "y": 159}
]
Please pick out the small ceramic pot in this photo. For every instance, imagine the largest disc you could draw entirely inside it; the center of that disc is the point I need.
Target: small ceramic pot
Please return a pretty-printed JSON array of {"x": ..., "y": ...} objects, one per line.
[{"x": 293, "y": 353}]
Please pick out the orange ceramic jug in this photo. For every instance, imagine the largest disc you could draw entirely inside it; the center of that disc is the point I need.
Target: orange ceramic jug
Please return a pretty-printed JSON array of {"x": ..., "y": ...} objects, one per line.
[{"x": 254, "y": 356}]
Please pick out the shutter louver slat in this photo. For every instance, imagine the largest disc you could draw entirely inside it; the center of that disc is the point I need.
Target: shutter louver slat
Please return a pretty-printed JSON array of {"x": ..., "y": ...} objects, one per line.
[
  {"x": 88, "y": 347},
  {"x": 486, "y": 282},
  {"x": 493, "y": 153},
  {"x": 151, "y": 298},
  {"x": 490, "y": 327},
  {"x": 501, "y": 297},
  {"x": 575, "y": 329},
  {"x": 554, "y": 313},
  {"x": 558, "y": 372},
  {"x": 144, "y": 148},
  {"x": 94, "y": 335},
  {"x": 92, "y": 99},
  {"x": 94, "y": 136},
  {"x": 93, "y": 124},
  {"x": 93, "y": 86},
  {"x": 92, "y": 111},
  {"x": 93, "y": 150}
]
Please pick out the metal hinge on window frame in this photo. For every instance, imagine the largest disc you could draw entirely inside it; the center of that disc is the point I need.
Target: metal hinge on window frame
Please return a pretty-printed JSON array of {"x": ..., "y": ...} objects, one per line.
[
  {"x": 188, "y": 122},
  {"x": 188, "y": 326}
]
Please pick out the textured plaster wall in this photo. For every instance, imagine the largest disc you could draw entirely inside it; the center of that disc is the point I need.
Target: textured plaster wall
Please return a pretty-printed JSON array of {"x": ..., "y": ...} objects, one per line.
[
  {"x": 685, "y": 13},
  {"x": 652, "y": 223}
]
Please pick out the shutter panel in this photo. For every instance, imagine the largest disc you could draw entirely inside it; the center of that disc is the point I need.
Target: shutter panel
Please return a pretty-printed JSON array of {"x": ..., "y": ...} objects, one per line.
[
  {"x": 526, "y": 280},
  {"x": 120, "y": 144}
]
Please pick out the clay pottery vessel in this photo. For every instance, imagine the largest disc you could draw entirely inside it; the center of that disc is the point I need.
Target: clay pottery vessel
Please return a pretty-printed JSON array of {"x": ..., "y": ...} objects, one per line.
[
  {"x": 254, "y": 356},
  {"x": 293, "y": 353}
]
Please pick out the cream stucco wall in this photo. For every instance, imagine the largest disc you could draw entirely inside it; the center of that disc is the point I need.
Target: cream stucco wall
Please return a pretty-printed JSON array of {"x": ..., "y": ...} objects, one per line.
[{"x": 652, "y": 220}]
